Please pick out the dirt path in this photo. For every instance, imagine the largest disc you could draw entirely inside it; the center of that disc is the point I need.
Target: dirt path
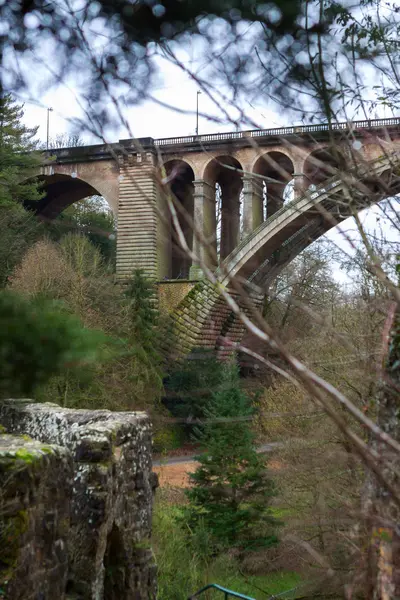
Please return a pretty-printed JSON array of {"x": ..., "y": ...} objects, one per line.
[{"x": 173, "y": 471}]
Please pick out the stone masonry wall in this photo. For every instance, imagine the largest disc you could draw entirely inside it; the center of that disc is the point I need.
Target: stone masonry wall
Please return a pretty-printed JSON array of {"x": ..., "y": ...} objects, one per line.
[
  {"x": 35, "y": 494},
  {"x": 111, "y": 492},
  {"x": 204, "y": 320}
]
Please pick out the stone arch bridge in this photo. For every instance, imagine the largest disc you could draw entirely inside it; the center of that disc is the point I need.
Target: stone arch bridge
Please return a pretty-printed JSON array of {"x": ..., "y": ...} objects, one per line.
[{"x": 229, "y": 191}]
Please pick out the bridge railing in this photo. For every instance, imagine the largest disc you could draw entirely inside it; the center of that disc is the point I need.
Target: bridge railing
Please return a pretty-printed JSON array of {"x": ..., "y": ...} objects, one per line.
[
  {"x": 227, "y": 593},
  {"x": 279, "y": 131}
]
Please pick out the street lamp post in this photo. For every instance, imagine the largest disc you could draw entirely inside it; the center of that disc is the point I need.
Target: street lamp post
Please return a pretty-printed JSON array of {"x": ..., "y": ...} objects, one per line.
[
  {"x": 197, "y": 112},
  {"x": 49, "y": 110}
]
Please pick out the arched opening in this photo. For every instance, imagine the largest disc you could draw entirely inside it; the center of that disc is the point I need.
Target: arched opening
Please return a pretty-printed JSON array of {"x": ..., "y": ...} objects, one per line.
[
  {"x": 60, "y": 192},
  {"x": 320, "y": 165},
  {"x": 72, "y": 205},
  {"x": 277, "y": 171},
  {"x": 115, "y": 565},
  {"x": 180, "y": 177},
  {"x": 224, "y": 173}
]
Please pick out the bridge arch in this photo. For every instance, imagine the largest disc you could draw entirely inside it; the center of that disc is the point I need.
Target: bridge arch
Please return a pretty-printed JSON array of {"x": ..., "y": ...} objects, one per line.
[
  {"x": 277, "y": 170},
  {"x": 322, "y": 164},
  {"x": 263, "y": 254},
  {"x": 61, "y": 191},
  {"x": 180, "y": 178},
  {"x": 224, "y": 174}
]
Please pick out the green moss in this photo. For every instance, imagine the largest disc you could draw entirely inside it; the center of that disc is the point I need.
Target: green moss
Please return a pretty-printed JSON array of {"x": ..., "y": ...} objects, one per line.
[
  {"x": 26, "y": 455},
  {"x": 143, "y": 545},
  {"x": 47, "y": 449},
  {"x": 2, "y": 429},
  {"x": 11, "y": 530}
]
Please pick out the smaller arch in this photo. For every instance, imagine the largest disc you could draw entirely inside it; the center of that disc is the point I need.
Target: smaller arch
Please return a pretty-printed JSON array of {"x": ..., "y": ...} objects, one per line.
[
  {"x": 277, "y": 170},
  {"x": 224, "y": 173},
  {"x": 221, "y": 166},
  {"x": 321, "y": 164},
  {"x": 180, "y": 177},
  {"x": 176, "y": 158}
]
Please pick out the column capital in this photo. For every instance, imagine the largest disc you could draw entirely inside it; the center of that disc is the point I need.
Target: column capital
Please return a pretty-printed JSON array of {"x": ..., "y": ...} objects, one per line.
[
  {"x": 251, "y": 182},
  {"x": 204, "y": 188}
]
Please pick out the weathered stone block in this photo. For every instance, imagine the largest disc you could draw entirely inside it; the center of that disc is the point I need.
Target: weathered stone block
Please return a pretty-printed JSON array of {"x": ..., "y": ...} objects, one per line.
[
  {"x": 112, "y": 493},
  {"x": 35, "y": 491}
]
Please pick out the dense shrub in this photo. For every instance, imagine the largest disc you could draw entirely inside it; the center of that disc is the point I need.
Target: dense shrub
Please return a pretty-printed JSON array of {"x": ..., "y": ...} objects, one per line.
[{"x": 39, "y": 340}]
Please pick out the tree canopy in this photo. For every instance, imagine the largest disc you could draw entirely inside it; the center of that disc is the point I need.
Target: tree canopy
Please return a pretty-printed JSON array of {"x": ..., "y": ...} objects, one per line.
[{"x": 18, "y": 162}]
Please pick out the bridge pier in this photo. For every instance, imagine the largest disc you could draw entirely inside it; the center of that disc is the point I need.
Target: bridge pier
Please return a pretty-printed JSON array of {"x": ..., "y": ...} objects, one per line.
[
  {"x": 143, "y": 239},
  {"x": 252, "y": 203},
  {"x": 205, "y": 226}
]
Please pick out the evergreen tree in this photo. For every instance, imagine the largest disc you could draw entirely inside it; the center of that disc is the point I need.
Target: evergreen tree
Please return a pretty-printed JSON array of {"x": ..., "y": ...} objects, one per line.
[
  {"x": 231, "y": 490},
  {"x": 190, "y": 385},
  {"x": 18, "y": 163},
  {"x": 39, "y": 340},
  {"x": 143, "y": 337}
]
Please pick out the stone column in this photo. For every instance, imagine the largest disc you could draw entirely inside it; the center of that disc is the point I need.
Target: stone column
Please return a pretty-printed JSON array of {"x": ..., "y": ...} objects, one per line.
[
  {"x": 252, "y": 203},
  {"x": 230, "y": 214},
  {"x": 205, "y": 225},
  {"x": 300, "y": 185}
]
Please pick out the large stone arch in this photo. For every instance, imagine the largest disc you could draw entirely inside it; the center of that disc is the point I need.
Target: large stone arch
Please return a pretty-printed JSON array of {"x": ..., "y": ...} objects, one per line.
[
  {"x": 61, "y": 191},
  {"x": 203, "y": 317},
  {"x": 179, "y": 178}
]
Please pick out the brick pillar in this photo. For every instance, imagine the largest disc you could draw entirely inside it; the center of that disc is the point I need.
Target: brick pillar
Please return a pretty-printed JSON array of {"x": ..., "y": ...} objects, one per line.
[
  {"x": 142, "y": 240},
  {"x": 252, "y": 203},
  {"x": 205, "y": 224}
]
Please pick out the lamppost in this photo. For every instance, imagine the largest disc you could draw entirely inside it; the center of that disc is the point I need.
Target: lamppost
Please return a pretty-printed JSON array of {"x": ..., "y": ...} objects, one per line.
[
  {"x": 49, "y": 110},
  {"x": 197, "y": 112}
]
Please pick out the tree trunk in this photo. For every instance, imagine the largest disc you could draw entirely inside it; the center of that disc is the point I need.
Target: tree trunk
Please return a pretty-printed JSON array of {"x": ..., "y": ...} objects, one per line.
[{"x": 383, "y": 515}]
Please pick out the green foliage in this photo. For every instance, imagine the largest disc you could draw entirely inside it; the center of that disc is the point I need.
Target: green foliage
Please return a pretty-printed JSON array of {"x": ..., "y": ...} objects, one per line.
[
  {"x": 184, "y": 565},
  {"x": 95, "y": 220},
  {"x": 190, "y": 386},
  {"x": 18, "y": 162},
  {"x": 143, "y": 338},
  {"x": 18, "y": 165},
  {"x": 166, "y": 437},
  {"x": 231, "y": 490},
  {"x": 19, "y": 230},
  {"x": 37, "y": 341},
  {"x": 141, "y": 296}
]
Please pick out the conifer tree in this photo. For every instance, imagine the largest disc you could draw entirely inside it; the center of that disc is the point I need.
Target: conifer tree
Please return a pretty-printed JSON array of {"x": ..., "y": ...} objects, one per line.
[
  {"x": 39, "y": 339},
  {"x": 231, "y": 490},
  {"x": 18, "y": 161},
  {"x": 143, "y": 336}
]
